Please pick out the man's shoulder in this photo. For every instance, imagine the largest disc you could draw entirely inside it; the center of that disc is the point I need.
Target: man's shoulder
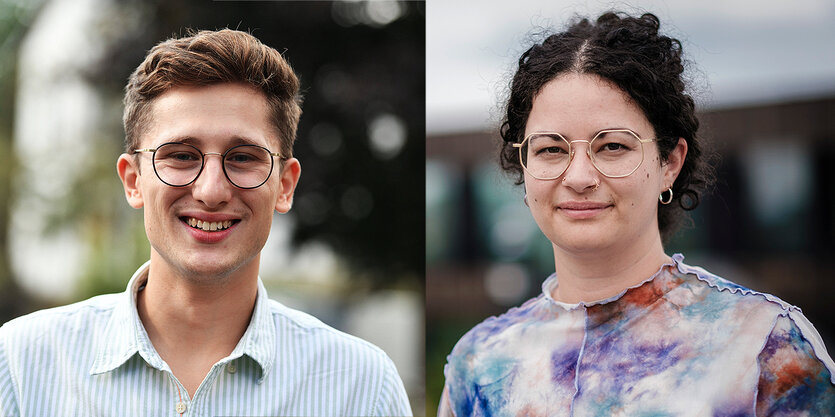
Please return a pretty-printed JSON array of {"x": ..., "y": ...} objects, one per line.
[
  {"x": 308, "y": 330},
  {"x": 77, "y": 317}
]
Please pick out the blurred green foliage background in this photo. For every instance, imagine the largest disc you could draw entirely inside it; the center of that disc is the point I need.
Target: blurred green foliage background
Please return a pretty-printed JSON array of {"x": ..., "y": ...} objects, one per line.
[{"x": 360, "y": 142}]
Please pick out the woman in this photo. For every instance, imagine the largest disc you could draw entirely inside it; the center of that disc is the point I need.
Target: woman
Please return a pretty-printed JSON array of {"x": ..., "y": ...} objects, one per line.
[{"x": 601, "y": 131}]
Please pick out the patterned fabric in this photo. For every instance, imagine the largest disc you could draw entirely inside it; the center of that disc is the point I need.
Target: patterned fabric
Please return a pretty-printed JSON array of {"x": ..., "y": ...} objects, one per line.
[
  {"x": 94, "y": 358},
  {"x": 683, "y": 343}
]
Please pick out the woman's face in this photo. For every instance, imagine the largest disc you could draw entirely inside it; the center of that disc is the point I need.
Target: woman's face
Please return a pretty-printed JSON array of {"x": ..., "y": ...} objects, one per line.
[{"x": 575, "y": 214}]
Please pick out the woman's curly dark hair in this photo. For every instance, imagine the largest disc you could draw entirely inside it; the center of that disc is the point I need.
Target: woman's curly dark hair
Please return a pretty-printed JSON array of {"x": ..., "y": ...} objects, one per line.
[{"x": 629, "y": 52}]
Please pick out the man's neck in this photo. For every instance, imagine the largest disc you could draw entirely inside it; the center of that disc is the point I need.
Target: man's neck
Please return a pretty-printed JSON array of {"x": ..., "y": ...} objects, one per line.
[{"x": 193, "y": 323}]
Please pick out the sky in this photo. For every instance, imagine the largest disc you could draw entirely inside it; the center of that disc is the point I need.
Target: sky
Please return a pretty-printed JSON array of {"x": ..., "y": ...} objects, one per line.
[{"x": 742, "y": 51}]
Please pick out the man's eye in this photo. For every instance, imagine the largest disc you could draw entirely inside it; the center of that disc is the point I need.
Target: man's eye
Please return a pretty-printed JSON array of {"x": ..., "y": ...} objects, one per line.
[
  {"x": 183, "y": 156},
  {"x": 240, "y": 158}
]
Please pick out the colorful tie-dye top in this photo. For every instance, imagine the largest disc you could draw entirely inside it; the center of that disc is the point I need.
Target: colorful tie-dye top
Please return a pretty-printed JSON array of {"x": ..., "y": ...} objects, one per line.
[{"x": 683, "y": 343}]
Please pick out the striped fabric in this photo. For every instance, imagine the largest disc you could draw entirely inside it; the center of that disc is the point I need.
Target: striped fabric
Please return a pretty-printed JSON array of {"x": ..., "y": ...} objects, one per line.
[{"x": 94, "y": 358}]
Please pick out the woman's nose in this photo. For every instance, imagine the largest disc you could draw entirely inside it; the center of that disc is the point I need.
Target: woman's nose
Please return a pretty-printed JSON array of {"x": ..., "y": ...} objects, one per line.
[{"x": 581, "y": 172}]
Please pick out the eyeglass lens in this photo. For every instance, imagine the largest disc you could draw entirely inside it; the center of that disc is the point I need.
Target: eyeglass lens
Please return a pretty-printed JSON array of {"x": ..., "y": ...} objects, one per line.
[
  {"x": 179, "y": 164},
  {"x": 613, "y": 153}
]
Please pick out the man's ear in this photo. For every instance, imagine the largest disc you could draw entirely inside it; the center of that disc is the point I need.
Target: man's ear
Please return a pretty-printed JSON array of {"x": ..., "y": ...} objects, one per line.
[
  {"x": 128, "y": 168},
  {"x": 675, "y": 161},
  {"x": 289, "y": 179}
]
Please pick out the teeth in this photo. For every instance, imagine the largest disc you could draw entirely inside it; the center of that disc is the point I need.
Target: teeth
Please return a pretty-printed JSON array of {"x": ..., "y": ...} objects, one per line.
[{"x": 208, "y": 226}]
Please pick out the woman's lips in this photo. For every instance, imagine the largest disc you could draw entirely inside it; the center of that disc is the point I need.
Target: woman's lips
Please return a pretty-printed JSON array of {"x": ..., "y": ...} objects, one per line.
[{"x": 580, "y": 210}]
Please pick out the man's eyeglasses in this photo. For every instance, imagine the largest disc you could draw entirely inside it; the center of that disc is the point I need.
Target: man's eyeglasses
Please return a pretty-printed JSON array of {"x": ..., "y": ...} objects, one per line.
[
  {"x": 615, "y": 153},
  {"x": 179, "y": 164}
]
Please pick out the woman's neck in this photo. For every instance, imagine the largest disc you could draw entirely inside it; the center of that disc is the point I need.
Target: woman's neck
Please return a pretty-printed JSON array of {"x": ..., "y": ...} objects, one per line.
[{"x": 593, "y": 276}]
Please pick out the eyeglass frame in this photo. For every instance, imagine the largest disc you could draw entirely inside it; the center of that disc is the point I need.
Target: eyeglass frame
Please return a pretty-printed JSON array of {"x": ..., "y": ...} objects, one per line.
[
  {"x": 203, "y": 162},
  {"x": 588, "y": 151}
]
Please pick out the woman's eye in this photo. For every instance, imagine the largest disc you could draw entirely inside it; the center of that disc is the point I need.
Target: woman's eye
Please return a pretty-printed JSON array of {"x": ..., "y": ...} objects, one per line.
[
  {"x": 613, "y": 146},
  {"x": 551, "y": 150}
]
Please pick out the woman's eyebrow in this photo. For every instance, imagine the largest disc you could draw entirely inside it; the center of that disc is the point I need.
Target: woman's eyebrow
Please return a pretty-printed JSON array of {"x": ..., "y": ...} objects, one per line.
[{"x": 551, "y": 132}]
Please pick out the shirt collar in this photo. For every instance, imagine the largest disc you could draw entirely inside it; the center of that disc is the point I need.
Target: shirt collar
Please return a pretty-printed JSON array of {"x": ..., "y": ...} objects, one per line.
[
  {"x": 259, "y": 340},
  {"x": 125, "y": 335}
]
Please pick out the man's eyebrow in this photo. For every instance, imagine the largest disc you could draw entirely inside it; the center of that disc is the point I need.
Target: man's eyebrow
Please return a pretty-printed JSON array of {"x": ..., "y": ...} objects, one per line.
[
  {"x": 241, "y": 140},
  {"x": 184, "y": 139},
  {"x": 233, "y": 141}
]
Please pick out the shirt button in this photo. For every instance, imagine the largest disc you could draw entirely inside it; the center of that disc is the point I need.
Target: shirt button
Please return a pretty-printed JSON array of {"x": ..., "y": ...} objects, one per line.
[
  {"x": 181, "y": 408},
  {"x": 231, "y": 368}
]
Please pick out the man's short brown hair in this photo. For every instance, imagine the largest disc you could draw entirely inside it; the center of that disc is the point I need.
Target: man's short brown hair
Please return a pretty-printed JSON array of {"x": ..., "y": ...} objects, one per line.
[{"x": 211, "y": 57}]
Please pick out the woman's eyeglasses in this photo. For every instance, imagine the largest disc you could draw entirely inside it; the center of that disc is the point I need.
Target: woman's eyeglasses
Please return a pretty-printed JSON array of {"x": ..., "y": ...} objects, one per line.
[{"x": 615, "y": 153}]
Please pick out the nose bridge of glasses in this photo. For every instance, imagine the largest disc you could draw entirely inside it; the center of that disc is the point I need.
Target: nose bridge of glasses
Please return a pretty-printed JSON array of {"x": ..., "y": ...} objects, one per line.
[
  {"x": 580, "y": 165},
  {"x": 573, "y": 148},
  {"x": 206, "y": 165}
]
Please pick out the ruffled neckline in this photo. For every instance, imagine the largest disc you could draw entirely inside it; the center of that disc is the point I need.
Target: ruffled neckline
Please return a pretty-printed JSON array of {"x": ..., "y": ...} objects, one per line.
[{"x": 550, "y": 284}]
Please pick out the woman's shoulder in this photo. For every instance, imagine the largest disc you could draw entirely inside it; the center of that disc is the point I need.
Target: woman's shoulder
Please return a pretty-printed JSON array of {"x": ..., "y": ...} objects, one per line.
[
  {"x": 496, "y": 327},
  {"x": 731, "y": 292},
  {"x": 488, "y": 351},
  {"x": 706, "y": 299},
  {"x": 786, "y": 325}
]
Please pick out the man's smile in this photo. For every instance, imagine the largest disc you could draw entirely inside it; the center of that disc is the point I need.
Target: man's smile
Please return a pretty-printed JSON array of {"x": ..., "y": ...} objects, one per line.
[{"x": 209, "y": 226}]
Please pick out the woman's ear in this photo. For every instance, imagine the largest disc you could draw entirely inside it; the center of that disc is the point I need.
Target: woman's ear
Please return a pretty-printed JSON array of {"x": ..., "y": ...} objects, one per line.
[
  {"x": 674, "y": 163},
  {"x": 127, "y": 166}
]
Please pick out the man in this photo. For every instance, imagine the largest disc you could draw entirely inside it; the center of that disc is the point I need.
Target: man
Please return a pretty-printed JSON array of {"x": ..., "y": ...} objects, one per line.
[{"x": 210, "y": 122}]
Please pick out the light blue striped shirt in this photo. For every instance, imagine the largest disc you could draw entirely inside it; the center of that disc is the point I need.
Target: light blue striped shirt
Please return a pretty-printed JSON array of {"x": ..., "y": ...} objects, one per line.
[{"x": 94, "y": 358}]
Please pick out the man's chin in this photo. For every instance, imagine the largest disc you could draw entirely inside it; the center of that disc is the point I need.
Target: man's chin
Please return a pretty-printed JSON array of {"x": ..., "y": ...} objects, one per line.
[
  {"x": 209, "y": 271},
  {"x": 204, "y": 264}
]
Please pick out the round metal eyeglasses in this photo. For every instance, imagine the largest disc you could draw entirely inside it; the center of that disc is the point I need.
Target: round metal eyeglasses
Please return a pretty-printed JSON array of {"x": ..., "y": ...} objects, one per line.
[
  {"x": 179, "y": 164},
  {"x": 615, "y": 153}
]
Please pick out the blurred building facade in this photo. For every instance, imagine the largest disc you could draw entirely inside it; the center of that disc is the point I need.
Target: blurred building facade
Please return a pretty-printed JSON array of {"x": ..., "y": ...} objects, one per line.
[{"x": 769, "y": 222}]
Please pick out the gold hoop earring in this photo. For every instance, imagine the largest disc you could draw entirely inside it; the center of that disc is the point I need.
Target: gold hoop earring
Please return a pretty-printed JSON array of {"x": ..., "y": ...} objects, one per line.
[{"x": 667, "y": 200}]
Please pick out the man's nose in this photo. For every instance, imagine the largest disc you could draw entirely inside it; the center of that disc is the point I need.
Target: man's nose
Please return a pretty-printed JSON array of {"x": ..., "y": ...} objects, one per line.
[{"x": 212, "y": 187}]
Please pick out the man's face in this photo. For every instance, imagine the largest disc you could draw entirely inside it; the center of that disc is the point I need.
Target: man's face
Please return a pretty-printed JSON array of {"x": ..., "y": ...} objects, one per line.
[{"x": 213, "y": 119}]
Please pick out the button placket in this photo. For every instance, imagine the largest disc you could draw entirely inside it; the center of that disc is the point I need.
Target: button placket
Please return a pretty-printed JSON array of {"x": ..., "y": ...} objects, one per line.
[{"x": 182, "y": 404}]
